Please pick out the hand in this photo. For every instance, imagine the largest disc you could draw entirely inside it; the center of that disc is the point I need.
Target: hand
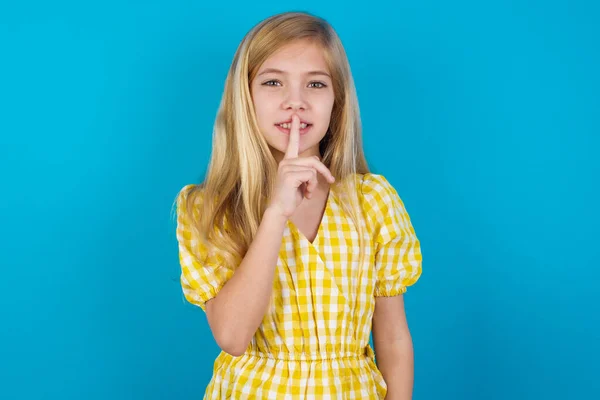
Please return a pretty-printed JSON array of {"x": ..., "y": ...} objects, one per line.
[{"x": 296, "y": 177}]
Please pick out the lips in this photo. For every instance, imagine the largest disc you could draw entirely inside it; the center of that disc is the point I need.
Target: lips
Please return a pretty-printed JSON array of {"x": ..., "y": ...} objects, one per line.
[
  {"x": 289, "y": 121},
  {"x": 286, "y": 128},
  {"x": 288, "y": 125}
]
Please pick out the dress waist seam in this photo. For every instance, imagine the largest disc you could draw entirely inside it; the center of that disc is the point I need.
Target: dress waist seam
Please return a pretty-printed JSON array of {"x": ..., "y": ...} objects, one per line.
[{"x": 366, "y": 352}]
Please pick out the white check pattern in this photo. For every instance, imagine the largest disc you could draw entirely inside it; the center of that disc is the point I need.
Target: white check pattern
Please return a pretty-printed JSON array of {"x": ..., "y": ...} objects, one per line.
[{"x": 313, "y": 342}]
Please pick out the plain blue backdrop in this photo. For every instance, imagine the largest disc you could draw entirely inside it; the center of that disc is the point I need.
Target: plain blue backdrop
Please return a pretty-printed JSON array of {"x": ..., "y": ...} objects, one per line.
[{"x": 483, "y": 115}]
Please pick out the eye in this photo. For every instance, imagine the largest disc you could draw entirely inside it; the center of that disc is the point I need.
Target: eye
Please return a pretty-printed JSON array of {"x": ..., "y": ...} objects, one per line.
[
  {"x": 320, "y": 85},
  {"x": 272, "y": 82}
]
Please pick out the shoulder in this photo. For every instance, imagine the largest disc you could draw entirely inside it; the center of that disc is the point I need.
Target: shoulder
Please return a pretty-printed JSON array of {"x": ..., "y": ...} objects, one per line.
[
  {"x": 377, "y": 192},
  {"x": 190, "y": 192},
  {"x": 185, "y": 191},
  {"x": 375, "y": 183},
  {"x": 187, "y": 204}
]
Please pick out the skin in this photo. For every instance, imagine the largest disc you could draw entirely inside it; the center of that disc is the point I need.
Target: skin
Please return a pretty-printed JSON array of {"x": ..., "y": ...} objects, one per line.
[
  {"x": 393, "y": 347},
  {"x": 236, "y": 312},
  {"x": 295, "y": 81}
]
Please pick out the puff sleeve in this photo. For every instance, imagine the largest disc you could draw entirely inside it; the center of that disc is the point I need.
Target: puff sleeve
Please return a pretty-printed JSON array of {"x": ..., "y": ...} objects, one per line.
[
  {"x": 202, "y": 276},
  {"x": 397, "y": 248}
]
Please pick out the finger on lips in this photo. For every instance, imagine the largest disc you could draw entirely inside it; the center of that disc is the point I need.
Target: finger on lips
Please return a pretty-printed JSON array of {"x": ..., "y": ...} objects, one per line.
[
  {"x": 293, "y": 143},
  {"x": 293, "y": 149}
]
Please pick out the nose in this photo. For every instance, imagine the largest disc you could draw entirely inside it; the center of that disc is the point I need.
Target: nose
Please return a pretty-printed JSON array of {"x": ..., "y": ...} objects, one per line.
[{"x": 294, "y": 100}]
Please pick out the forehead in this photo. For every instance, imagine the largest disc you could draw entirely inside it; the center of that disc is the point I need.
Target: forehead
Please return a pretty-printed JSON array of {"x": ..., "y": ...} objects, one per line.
[{"x": 297, "y": 57}]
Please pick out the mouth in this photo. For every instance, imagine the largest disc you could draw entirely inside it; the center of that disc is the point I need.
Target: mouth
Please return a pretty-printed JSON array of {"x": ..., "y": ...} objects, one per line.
[{"x": 286, "y": 127}]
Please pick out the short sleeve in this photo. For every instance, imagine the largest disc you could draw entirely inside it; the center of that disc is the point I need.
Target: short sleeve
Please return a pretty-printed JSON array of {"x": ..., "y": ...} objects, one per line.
[
  {"x": 397, "y": 249},
  {"x": 201, "y": 276}
]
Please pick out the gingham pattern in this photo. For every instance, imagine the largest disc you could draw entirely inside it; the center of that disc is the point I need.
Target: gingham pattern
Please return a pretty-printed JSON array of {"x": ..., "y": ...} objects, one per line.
[{"x": 313, "y": 342}]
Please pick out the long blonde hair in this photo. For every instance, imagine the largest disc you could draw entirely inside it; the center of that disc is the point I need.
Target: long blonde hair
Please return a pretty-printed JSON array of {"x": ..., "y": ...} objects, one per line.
[{"x": 226, "y": 209}]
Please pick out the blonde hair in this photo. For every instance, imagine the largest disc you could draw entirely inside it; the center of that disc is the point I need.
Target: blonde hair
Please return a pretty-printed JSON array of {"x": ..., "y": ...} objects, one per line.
[{"x": 226, "y": 209}]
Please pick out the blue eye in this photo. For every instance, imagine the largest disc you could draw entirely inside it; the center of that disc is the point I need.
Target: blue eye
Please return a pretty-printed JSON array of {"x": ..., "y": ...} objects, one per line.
[
  {"x": 322, "y": 85},
  {"x": 314, "y": 85},
  {"x": 269, "y": 83}
]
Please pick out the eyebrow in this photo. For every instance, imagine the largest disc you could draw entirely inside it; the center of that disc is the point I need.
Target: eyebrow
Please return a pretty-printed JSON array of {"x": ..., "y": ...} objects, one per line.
[{"x": 278, "y": 71}]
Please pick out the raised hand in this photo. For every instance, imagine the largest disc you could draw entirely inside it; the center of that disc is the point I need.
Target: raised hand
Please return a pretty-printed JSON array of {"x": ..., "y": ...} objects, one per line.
[{"x": 296, "y": 176}]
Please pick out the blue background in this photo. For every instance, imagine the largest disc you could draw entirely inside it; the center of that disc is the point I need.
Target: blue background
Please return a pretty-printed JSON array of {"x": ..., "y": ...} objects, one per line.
[{"x": 483, "y": 115}]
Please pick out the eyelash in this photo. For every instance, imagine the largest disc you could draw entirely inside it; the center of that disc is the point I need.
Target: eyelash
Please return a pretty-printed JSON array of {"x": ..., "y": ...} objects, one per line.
[{"x": 320, "y": 83}]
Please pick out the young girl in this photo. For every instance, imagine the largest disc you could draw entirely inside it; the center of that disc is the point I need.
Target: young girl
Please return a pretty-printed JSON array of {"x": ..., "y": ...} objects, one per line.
[{"x": 295, "y": 251}]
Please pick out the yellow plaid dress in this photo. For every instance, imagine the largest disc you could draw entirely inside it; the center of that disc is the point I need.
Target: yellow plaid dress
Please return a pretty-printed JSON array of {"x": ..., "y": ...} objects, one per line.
[{"x": 313, "y": 342}]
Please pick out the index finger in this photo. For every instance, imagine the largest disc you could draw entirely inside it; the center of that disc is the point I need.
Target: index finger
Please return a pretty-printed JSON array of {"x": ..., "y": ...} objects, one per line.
[{"x": 294, "y": 141}]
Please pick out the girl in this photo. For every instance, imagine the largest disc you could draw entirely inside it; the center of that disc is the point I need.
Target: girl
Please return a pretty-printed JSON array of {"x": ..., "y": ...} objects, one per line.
[{"x": 295, "y": 251}]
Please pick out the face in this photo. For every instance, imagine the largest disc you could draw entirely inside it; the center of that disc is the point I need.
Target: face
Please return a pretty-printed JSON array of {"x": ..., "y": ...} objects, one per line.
[{"x": 294, "y": 80}]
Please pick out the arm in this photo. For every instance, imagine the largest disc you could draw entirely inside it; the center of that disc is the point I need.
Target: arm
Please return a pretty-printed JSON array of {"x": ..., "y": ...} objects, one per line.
[
  {"x": 393, "y": 347},
  {"x": 236, "y": 312}
]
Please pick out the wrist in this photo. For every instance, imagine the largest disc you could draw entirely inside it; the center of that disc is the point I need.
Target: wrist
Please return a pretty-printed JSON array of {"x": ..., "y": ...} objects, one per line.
[{"x": 273, "y": 213}]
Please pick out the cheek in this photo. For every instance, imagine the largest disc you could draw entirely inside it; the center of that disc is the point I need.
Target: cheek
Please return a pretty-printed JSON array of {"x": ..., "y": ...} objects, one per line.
[
  {"x": 264, "y": 107},
  {"x": 324, "y": 108},
  {"x": 259, "y": 110}
]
